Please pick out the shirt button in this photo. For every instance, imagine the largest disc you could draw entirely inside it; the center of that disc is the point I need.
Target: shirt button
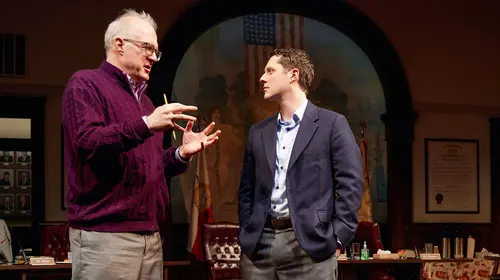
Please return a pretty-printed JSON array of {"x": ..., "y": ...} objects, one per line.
[
  {"x": 281, "y": 167},
  {"x": 284, "y": 147},
  {"x": 274, "y": 207},
  {"x": 277, "y": 187}
]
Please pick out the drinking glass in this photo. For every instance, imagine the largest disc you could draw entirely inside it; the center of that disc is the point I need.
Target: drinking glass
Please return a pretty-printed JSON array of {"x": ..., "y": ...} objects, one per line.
[{"x": 355, "y": 250}]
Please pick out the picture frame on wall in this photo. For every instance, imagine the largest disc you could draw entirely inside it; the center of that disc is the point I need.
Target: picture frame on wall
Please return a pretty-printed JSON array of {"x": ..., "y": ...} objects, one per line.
[
  {"x": 23, "y": 202},
  {"x": 23, "y": 178},
  {"x": 7, "y": 203},
  {"x": 6, "y": 178},
  {"x": 6, "y": 157},
  {"x": 452, "y": 176},
  {"x": 16, "y": 183},
  {"x": 23, "y": 157}
]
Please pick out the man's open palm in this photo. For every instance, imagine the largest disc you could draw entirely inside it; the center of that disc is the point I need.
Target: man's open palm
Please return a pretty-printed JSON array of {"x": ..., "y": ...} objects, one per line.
[{"x": 194, "y": 142}]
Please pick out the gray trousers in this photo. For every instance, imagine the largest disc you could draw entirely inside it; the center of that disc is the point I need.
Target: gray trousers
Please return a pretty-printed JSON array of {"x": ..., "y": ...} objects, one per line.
[
  {"x": 109, "y": 256},
  {"x": 279, "y": 256}
]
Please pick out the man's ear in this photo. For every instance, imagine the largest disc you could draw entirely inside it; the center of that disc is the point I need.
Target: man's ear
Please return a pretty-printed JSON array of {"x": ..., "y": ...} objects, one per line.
[
  {"x": 119, "y": 45},
  {"x": 294, "y": 74}
]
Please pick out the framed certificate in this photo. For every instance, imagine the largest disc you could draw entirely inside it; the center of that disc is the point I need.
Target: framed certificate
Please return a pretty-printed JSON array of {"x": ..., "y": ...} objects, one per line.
[{"x": 451, "y": 176}]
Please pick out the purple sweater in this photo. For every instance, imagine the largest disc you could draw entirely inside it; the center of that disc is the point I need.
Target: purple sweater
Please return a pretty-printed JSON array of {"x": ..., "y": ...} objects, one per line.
[{"x": 116, "y": 165}]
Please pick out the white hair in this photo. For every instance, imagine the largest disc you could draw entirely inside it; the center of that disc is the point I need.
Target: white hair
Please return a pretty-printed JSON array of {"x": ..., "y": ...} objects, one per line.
[{"x": 121, "y": 27}]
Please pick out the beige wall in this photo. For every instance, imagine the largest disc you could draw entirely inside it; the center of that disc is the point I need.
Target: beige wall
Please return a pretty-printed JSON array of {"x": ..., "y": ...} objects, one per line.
[
  {"x": 450, "y": 56},
  {"x": 449, "y": 50},
  {"x": 458, "y": 126}
]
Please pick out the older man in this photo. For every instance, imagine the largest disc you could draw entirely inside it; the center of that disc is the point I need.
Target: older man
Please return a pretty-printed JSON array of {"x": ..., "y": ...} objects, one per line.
[{"x": 117, "y": 192}]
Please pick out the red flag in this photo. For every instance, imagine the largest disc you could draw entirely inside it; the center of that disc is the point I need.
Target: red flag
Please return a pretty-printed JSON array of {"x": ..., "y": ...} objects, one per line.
[
  {"x": 365, "y": 211},
  {"x": 201, "y": 208}
]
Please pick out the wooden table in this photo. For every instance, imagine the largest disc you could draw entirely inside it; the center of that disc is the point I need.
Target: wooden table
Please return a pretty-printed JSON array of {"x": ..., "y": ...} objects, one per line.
[
  {"x": 417, "y": 268},
  {"x": 64, "y": 269},
  {"x": 361, "y": 269},
  {"x": 381, "y": 261},
  {"x": 25, "y": 270}
]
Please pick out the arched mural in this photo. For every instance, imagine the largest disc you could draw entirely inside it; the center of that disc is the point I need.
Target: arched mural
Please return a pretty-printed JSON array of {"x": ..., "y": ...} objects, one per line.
[{"x": 220, "y": 71}]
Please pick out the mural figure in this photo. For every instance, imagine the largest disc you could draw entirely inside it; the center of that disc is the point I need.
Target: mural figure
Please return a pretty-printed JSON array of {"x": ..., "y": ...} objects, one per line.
[{"x": 220, "y": 74}]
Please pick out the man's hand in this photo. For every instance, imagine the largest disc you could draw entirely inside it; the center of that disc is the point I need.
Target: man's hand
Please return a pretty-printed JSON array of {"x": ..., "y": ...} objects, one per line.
[
  {"x": 193, "y": 142},
  {"x": 164, "y": 117}
]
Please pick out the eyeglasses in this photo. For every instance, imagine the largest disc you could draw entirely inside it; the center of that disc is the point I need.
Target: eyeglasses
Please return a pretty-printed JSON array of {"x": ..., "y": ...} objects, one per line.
[{"x": 148, "y": 48}]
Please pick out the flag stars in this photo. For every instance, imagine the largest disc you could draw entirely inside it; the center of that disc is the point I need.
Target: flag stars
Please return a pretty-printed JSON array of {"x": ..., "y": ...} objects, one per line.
[{"x": 259, "y": 29}]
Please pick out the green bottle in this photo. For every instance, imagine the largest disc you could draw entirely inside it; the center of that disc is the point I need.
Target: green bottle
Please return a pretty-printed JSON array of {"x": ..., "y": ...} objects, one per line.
[{"x": 364, "y": 252}]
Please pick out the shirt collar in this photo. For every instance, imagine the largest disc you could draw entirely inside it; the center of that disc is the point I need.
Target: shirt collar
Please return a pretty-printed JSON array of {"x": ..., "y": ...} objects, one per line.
[
  {"x": 136, "y": 88},
  {"x": 297, "y": 116}
]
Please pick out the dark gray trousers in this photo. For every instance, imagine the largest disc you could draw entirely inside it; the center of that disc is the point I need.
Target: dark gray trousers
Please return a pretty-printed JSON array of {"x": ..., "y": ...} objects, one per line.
[{"x": 279, "y": 256}]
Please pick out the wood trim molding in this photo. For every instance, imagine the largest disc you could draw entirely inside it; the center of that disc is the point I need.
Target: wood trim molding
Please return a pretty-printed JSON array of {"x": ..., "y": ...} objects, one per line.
[
  {"x": 30, "y": 90},
  {"x": 440, "y": 108},
  {"x": 495, "y": 184}
]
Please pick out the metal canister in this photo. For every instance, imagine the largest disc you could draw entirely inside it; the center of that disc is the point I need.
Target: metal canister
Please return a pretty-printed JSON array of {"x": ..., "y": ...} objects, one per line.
[
  {"x": 445, "y": 248},
  {"x": 462, "y": 247},
  {"x": 459, "y": 247}
]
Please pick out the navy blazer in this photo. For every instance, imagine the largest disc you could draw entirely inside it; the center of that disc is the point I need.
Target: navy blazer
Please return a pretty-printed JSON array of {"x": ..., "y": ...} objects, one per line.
[{"x": 324, "y": 183}]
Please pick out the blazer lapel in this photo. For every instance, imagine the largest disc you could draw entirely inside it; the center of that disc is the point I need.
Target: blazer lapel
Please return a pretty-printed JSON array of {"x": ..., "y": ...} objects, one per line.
[
  {"x": 269, "y": 137},
  {"x": 306, "y": 131}
]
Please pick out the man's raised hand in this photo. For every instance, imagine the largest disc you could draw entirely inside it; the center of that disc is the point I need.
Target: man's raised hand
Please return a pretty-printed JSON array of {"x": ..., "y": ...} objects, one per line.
[{"x": 164, "y": 117}]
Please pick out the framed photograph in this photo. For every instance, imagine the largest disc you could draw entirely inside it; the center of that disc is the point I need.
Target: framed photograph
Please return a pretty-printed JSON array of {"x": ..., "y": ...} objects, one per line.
[
  {"x": 7, "y": 202},
  {"x": 23, "y": 202},
  {"x": 23, "y": 178},
  {"x": 452, "y": 176},
  {"x": 6, "y": 178},
  {"x": 6, "y": 157},
  {"x": 23, "y": 157}
]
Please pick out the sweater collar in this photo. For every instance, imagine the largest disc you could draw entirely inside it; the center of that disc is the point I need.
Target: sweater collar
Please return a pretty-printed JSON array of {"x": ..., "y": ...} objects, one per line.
[{"x": 118, "y": 74}]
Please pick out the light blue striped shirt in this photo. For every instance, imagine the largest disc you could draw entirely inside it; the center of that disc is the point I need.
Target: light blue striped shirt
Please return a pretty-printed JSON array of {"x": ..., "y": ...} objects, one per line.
[{"x": 287, "y": 132}]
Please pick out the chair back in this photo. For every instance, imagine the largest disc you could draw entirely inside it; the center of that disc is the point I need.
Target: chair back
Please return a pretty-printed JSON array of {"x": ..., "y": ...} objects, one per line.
[
  {"x": 369, "y": 232},
  {"x": 222, "y": 250},
  {"x": 55, "y": 241}
]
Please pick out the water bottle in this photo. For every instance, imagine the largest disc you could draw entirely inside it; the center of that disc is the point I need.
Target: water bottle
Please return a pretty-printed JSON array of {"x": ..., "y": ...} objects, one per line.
[{"x": 364, "y": 251}]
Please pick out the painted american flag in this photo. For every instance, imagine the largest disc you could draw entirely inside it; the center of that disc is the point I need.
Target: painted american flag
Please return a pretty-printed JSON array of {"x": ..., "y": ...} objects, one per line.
[{"x": 262, "y": 34}]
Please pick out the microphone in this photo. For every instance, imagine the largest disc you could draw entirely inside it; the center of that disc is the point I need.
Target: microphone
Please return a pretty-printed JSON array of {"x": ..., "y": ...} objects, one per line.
[{"x": 21, "y": 249}]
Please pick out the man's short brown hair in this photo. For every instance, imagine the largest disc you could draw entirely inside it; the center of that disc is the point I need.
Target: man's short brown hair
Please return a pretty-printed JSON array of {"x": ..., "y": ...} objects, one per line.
[{"x": 297, "y": 58}]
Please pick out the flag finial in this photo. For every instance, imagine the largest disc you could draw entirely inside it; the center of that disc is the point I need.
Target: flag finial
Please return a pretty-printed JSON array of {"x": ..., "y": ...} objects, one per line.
[{"x": 363, "y": 127}]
